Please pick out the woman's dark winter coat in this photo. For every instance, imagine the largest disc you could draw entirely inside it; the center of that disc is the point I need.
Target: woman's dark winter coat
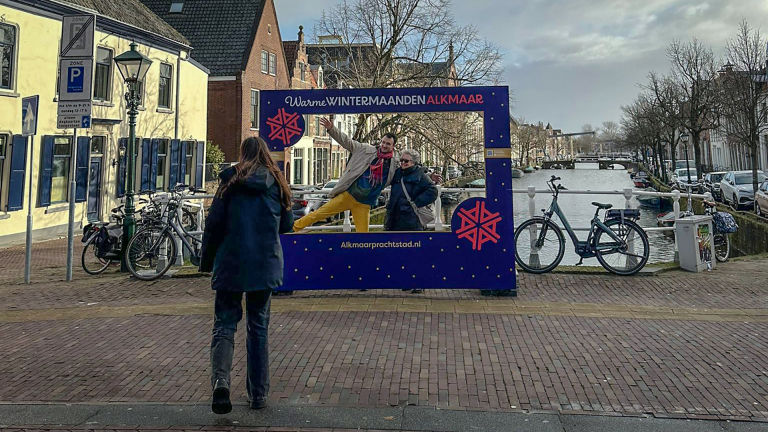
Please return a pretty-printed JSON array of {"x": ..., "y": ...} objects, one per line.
[
  {"x": 400, "y": 215},
  {"x": 241, "y": 243}
]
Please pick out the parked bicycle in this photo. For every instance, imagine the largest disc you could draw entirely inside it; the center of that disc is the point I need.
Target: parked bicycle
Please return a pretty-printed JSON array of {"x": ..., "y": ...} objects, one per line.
[
  {"x": 722, "y": 225},
  {"x": 618, "y": 242},
  {"x": 152, "y": 250},
  {"x": 103, "y": 240}
]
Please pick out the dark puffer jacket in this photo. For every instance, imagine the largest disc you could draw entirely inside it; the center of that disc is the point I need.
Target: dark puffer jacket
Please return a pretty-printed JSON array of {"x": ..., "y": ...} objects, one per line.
[
  {"x": 400, "y": 215},
  {"x": 241, "y": 243}
]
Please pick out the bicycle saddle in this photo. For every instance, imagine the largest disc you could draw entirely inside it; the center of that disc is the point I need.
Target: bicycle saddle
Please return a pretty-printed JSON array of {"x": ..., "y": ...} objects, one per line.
[{"x": 602, "y": 206}]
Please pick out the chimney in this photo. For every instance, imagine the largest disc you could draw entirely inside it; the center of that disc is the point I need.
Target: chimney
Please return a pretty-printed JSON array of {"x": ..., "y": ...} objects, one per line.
[
  {"x": 301, "y": 35},
  {"x": 450, "y": 53}
]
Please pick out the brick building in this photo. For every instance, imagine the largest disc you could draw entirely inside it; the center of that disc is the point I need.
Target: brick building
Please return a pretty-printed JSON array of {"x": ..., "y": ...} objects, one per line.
[
  {"x": 241, "y": 46},
  {"x": 314, "y": 159}
]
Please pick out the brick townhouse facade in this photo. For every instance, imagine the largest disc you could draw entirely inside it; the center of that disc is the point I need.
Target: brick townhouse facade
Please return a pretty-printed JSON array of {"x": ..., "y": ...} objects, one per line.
[{"x": 242, "y": 47}]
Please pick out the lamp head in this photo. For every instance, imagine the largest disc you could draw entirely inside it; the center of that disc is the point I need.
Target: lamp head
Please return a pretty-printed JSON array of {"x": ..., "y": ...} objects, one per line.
[{"x": 133, "y": 66}]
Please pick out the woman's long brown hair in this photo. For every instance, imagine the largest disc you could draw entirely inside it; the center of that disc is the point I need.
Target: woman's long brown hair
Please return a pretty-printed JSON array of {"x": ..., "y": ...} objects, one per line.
[{"x": 254, "y": 154}]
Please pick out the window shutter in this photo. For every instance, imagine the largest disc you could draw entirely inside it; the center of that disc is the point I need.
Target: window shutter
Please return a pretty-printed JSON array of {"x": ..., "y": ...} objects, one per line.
[
  {"x": 121, "y": 168},
  {"x": 153, "y": 162},
  {"x": 46, "y": 171},
  {"x": 174, "y": 171},
  {"x": 183, "y": 163},
  {"x": 18, "y": 169},
  {"x": 146, "y": 164},
  {"x": 81, "y": 168},
  {"x": 200, "y": 168}
]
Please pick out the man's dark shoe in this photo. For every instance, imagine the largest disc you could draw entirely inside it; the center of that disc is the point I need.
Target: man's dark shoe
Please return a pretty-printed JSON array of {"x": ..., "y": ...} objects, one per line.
[
  {"x": 221, "y": 403},
  {"x": 259, "y": 403}
]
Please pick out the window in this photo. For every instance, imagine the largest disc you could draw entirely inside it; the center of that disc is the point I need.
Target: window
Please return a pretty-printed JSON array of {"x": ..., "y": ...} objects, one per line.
[
  {"x": 269, "y": 28},
  {"x": 317, "y": 125},
  {"x": 140, "y": 92},
  {"x": 7, "y": 50},
  {"x": 189, "y": 149},
  {"x": 164, "y": 93},
  {"x": 303, "y": 70},
  {"x": 298, "y": 166},
  {"x": 97, "y": 145},
  {"x": 162, "y": 157},
  {"x": 176, "y": 6},
  {"x": 3, "y": 152},
  {"x": 254, "y": 109},
  {"x": 320, "y": 78},
  {"x": 272, "y": 64},
  {"x": 306, "y": 125},
  {"x": 62, "y": 156},
  {"x": 264, "y": 62},
  {"x": 102, "y": 80}
]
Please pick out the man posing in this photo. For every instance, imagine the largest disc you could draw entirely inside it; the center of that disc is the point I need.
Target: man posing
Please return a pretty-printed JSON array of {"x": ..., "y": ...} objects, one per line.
[{"x": 369, "y": 170}]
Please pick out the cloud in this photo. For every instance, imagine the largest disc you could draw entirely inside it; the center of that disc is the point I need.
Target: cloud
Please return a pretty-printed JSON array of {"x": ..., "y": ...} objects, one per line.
[{"x": 572, "y": 62}]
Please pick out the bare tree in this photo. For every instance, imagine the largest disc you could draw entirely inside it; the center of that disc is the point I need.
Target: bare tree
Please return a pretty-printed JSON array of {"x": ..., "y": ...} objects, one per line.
[
  {"x": 694, "y": 74},
  {"x": 670, "y": 100},
  {"x": 524, "y": 141},
  {"x": 643, "y": 129},
  {"x": 403, "y": 43},
  {"x": 743, "y": 91},
  {"x": 585, "y": 143}
]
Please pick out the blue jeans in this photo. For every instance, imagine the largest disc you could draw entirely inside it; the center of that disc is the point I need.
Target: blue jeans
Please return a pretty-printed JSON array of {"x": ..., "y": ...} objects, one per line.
[{"x": 229, "y": 312}]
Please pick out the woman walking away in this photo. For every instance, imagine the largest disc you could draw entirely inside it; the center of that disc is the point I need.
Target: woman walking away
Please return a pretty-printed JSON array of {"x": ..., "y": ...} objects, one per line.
[
  {"x": 419, "y": 190},
  {"x": 241, "y": 246}
]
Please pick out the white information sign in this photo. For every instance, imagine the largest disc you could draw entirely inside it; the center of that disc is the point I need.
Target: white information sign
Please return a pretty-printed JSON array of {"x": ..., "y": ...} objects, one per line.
[
  {"x": 77, "y": 33},
  {"x": 81, "y": 108},
  {"x": 75, "y": 79},
  {"x": 73, "y": 122}
]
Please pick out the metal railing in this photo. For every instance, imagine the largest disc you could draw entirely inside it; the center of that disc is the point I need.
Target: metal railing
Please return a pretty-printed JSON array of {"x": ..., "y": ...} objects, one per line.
[{"x": 531, "y": 191}]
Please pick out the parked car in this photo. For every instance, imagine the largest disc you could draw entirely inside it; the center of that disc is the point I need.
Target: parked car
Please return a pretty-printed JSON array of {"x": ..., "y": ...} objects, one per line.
[
  {"x": 306, "y": 204},
  {"x": 736, "y": 188},
  {"x": 453, "y": 172},
  {"x": 761, "y": 200},
  {"x": 711, "y": 184},
  {"x": 479, "y": 183},
  {"x": 686, "y": 177}
]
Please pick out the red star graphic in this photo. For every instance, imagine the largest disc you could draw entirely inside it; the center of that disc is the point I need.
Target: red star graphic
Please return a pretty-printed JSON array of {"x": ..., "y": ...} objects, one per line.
[
  {"x": 284, "y": 126},
  {"x": 478, "y": 225}
]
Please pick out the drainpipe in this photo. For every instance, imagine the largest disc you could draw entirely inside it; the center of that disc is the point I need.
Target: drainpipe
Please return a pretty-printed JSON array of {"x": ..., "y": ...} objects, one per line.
[{"x": 178, "y": 83}]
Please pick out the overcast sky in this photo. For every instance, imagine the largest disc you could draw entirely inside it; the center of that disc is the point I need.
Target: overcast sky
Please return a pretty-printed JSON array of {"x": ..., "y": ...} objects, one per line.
[{"x": 571, "y": 62}]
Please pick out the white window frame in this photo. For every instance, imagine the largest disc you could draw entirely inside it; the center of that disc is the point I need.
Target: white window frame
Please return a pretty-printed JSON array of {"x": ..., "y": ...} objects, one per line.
[
  {"x": 255, "y": 111},
  {"x": 14, "y": 59},
  {"x": 272, "y": 64},
  {"x": 170, "y": 87},
  {"x": 108, "y": 96},
  {"x": 264, "y": 64}
]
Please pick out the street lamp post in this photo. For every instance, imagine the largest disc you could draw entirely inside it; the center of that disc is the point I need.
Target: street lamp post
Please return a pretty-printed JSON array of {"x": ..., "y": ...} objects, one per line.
[
  {"x": 684, "y": 138},
  {"x": 133, "y": 67}
]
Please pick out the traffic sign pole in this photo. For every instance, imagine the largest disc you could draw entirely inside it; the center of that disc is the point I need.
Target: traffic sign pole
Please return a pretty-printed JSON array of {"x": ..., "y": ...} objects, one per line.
[
  {"x": 72, "y": 192},
  {"x": 28, "y": 254},
  {"x": 29, "y": 107}
]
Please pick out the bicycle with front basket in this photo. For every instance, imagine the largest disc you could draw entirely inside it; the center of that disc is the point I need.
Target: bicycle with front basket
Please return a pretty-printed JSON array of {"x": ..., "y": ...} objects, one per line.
[{"x": 618, "y": 242}]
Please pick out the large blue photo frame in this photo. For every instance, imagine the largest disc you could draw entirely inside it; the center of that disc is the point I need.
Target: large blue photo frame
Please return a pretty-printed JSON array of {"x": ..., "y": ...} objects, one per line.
[{"x": 478, "y": 251}]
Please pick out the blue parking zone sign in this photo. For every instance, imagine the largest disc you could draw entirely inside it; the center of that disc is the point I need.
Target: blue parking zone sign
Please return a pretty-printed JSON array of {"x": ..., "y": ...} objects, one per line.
[{"x": 75, "y": 76}]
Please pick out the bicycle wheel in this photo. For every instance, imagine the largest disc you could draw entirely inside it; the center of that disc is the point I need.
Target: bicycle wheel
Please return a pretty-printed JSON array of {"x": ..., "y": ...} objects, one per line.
[
  {"x": 150, "y": 253},
  {"x": 92, "y": 263},
  {"x": 722, "y": 247},
  {"x": 623, "y": 258},
  {"x": 539, "y": 246}
]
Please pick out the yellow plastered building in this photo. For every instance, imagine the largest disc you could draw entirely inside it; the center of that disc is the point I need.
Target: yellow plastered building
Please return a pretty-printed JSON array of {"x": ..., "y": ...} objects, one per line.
[{"x": 171, "y": 125}]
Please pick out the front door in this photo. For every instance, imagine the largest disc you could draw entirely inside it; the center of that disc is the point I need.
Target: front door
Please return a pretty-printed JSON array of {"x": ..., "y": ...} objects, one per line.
[{"x": 94, "y": 190}]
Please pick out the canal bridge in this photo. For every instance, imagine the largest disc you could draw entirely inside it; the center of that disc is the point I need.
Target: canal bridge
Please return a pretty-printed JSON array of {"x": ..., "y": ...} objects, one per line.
[{"x": 602, "y": 163}]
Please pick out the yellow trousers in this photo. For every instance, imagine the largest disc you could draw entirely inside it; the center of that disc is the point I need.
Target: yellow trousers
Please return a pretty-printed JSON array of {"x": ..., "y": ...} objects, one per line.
[{"x": 361, "y": 213}]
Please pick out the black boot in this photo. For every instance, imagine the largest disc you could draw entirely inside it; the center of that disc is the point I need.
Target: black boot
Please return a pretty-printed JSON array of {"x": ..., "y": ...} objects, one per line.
[{"x": 221, "y": 403}]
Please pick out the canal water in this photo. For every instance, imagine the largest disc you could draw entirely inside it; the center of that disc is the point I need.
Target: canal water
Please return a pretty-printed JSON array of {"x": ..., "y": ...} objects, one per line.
[{"x": 578, "y": 208}]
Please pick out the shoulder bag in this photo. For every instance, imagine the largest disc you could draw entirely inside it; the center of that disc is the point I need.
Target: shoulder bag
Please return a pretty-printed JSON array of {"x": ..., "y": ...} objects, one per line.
[{"x": 425, "y": 214}]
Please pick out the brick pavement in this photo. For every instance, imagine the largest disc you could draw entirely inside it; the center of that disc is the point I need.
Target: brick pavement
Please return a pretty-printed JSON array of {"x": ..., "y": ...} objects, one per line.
[{"x": 462, "y": 359}]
